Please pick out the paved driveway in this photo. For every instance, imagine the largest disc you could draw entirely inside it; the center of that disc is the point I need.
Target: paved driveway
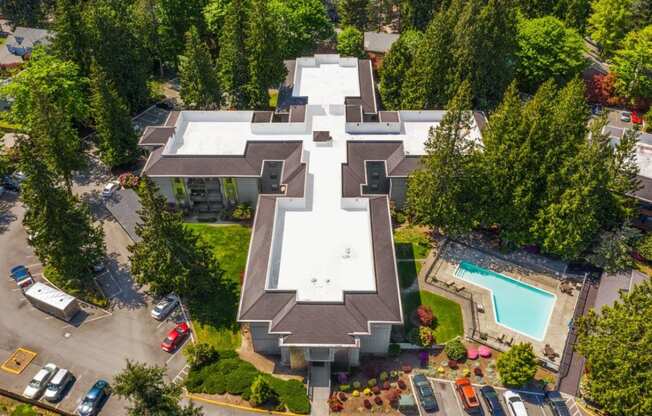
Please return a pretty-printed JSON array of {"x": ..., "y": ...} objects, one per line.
[{"x": 97, "y": 343}]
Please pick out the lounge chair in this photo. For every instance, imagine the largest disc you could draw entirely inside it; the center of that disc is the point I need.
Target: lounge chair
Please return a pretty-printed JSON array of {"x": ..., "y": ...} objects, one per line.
[
  {"x": 500, "y": 338},
  {"x": 510, "y": 342},
  {"x": 459, "y": 288},
  {"x": 449, "y": 283}
]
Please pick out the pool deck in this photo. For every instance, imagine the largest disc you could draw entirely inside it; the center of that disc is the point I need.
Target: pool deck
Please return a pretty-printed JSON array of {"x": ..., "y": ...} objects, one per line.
[{"x": 444, "y": 269}]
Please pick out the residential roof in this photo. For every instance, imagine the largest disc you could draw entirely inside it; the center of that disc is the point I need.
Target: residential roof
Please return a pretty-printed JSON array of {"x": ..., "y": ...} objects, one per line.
[
  {"x": 321, "y": 268},
  {"x": 379, "y": 41},
  {"x": 20, "y": 41}
]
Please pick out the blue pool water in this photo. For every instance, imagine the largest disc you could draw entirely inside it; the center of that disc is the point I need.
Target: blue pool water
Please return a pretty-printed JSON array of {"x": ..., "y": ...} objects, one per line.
[{"x": 517, "y": 305}]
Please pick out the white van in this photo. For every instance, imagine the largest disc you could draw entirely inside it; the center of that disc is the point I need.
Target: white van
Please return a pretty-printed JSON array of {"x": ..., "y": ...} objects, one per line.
[{"x": 58, "y": 385}]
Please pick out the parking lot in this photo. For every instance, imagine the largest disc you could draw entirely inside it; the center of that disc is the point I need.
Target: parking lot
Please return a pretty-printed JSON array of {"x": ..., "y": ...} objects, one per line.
[
  {"x": 450, "y": 405},
  {"x": 97, "y": 343}
]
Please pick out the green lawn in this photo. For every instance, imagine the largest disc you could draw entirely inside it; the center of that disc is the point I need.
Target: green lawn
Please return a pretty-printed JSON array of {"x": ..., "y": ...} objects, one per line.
[
  {"x": 411, "y": 243},
  {"x": 230, "y": 244},
  {"x": 447, "y": 312}
]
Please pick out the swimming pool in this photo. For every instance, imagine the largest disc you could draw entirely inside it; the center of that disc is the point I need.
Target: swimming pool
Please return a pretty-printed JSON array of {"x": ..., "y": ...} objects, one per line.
[{"x": 517, "y": 305}]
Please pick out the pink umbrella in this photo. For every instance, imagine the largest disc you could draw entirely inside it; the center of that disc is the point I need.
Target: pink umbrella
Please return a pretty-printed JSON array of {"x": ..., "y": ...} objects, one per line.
[
  {"x": 484, "y": 351},
  {"x": 472, "y": 353}
]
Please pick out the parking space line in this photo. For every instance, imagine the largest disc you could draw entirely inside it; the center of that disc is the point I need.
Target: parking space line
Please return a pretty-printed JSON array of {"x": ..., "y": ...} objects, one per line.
[
  {"x": 88, "y": 321},
  {"x": 175, "y": 354},
  {"x": 457, "y": 400}
]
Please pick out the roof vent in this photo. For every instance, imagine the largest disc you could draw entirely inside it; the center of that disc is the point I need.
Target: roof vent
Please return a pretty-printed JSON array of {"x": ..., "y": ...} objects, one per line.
[{"x": 321, "y": 136}]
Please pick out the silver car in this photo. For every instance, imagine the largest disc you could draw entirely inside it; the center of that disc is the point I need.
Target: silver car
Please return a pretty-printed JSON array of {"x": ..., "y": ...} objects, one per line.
[
  {"x": 40, "y": 381},
  {"x": 164, "y": 307},
  {"x": 58, "y": 385}
]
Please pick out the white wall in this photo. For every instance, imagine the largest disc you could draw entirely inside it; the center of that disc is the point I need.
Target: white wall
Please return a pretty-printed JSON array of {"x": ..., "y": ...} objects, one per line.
[
  {"x": 165, "y": 188},
  {"x": 378, "y": 341},
  {"x": 373, "y": 127},
  {"x": 262, "y": 340},
  {"x": 247, "y": 190}
]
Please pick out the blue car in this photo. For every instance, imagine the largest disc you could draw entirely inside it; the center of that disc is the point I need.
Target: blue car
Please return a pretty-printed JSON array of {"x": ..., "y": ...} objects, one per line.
[
  {"x": 94, "y": 399},
  {"x": 21, "y": 275}
]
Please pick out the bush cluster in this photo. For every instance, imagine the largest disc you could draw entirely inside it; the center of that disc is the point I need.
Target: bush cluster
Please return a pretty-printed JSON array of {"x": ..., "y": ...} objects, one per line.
[
  {"x": 455, "y": 350},
  {"x": 243, "y": 212},
  {"x": 425, "y": 315},
  {"x": 230, "y": 374}
]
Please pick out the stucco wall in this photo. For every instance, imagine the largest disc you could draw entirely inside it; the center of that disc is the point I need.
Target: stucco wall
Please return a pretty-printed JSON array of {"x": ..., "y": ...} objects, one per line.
[
  {"x": 264, "y": 342},
  {"x": 378, "y": 341},
  {"x": 247, "y": 190}
]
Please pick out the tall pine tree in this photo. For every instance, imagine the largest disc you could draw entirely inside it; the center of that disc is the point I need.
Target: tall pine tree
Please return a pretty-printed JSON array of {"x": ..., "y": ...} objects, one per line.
[
  {"x": 232, "y": 61},
  {"x": 113, "y": 125},
  {"x": 396, "y": 64},
  {"x": 198, "y": 76}
]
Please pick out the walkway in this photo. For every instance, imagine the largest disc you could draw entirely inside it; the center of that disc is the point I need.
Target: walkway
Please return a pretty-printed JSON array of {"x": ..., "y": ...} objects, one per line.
[{"x": 320, "y": 385}]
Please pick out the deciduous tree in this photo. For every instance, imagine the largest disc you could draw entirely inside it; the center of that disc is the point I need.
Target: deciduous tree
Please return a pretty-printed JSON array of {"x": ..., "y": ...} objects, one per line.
[
  {"x": 517, "y": 366},
  {"x": 632, "y": 65},
  {"x": 350, "y": 42},
  {"x": 353, "y": 13},
  {"x": 302, "y": 25},
  {"x": 614, "y": 343},
  {"x": 609, "y": 23},
  {"x": 548, "y": 50},
  {"x": 200, "y": 88}
]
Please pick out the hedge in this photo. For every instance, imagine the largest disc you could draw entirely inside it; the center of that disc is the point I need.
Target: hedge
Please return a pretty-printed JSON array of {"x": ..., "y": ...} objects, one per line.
[{"x": 234, "y": 376}]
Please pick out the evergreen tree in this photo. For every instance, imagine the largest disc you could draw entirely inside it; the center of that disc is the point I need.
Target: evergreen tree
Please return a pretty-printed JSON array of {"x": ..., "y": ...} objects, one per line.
[
  {"x": 613, "y": 253},
  {"x": 148, "y": 393},
  {"x": 232, "y": 62},
  {"x": 381, "y": 13},
  {"x": 614, "y": 343},
  {"x": 517, "y": 366},
  {"x": 353, "y": 13},
  {"x": 396, "y": 64},
  {"x": 350, "y": 42},
  {"x": 440, "y": 194},
  {"x": 265, "y": 65},
  {"x": 118, "y": 143},
  {"x": 23, "y": 12},
  {"x": 416, "y": 14},
  {"x": 64, "y": 237},
  {"x": 197, "y": 75},
  {"x": 70, "y": 40},
  {"x": 117, "y": 50},
  {"x": 609, "y": 22},
  {"x": 174, "y": 19},
  {"x": 548, "y": 50}
]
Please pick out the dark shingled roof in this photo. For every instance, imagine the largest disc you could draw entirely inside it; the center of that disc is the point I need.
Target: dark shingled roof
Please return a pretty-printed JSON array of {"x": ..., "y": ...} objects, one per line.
[{"x": 156, "y": 136}]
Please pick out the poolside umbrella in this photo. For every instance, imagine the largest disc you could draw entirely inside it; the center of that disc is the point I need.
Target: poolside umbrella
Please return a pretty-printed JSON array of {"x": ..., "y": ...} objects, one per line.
[
  {"x": 484, "y": 352},
  {"x": 472, "y": 353}
]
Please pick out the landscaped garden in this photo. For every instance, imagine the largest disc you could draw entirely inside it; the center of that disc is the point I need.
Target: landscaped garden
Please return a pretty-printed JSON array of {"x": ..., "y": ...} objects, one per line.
[
  {"x": 412, "y": 246},
  {"x": 238, "y": 382},
  {"x": 446, "y": 320},
  {"x": 230, "y": 244}
]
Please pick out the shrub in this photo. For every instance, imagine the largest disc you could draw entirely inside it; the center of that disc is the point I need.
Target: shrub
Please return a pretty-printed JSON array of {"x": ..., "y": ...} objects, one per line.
[
  {"x": 200, "y": 355},
  {"x": 477, "y": 371},
  {"x": 407, "y": 368},
  {"x": 517, "y": 366},
  {"x": 372, "y": 382},
  {"x": 367, "y": 404},
  {"x": 378, "y": 400},
  {"x": 452, "y": 364},
  {"x": 455, "y": 350},
  {"x": 402, "y": 385},
  {"x": 350, "y": 42},
  {"x": 242, "y": 211},
  {"x": 246, "y": 394},
  {"x": 345, "y": 387},
  {"x": 426, "y": 336},
  {"x": 424, "y": 357},
  {"x": 425, "y": 315},
  {"x": 261, "y": 391},
  {"x": 386, "y": 385},
  {"x": 342, "y": 396},
  {"x": 291, "y": 393},
  {"x": 375, "y": 390},
  {"x": 393, "y": 374},
  {"x": 393, "y": 395},
  {"x": 128, "y": 180},
  {"x": 357, "y": 385},
  {"x": 394, "y": 350},
  {"x": 356, "y": 393},
  {"x": 413, "y": 336},
  {"x": 383, "y": 376},
  {"x": 238, "y": 380},
  {"x": 367, "y": 391}
]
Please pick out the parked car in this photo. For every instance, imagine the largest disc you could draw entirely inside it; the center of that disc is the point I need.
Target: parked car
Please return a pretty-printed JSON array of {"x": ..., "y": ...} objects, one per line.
[
  {"x": 557, "y": 404},
  {"x": 40, "y": 381},
  {"x": 636, "y": 118},
  {"x": 109, "y": 189},
  {"x": 21, "y": 275},
  {"x": 94, "y": 399},
  {"x": 58, "y": 385},
  {"x": 492, "y": 401},
  {"x": 626, "y": 116},
  {"x": 425, "y": 393},
  {"x": 515, "y": 405},
  {"x": 10, "y": 184},
  {"x": 175, "y": 337},
  {"x": 467, "y": 396},
  {"x": 164, "y": 307}
]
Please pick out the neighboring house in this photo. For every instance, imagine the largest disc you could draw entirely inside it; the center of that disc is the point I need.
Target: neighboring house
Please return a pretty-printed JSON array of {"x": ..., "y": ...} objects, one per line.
[
  {"x": 644, "y": 161},
  {"x": 612, "y": 286},
  {"x": 20, "y": 42},
  {"x": 377, "y": 44},
  {"x": 321, "y": 283}
]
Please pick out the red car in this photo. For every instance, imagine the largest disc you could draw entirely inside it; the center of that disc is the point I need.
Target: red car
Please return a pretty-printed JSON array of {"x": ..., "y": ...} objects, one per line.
[
  {"x": 636, "y": 118},
  {"x": 175, "y": 337}
]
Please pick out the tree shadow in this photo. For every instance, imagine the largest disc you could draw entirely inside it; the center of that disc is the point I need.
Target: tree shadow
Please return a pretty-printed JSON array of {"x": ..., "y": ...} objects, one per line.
[
  {"x": 127, "y": 293},
  {"x": 7, "y": 202}
]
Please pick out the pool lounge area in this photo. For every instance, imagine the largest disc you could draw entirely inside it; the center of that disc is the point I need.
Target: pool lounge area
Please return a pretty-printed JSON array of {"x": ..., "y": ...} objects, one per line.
[
  {"x": 518, "y": 306},
  {"x": 510, "y": 304}
]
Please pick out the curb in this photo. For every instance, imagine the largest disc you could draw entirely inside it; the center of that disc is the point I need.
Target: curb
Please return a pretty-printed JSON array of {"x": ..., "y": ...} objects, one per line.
[{"x": 235, "y": 406}]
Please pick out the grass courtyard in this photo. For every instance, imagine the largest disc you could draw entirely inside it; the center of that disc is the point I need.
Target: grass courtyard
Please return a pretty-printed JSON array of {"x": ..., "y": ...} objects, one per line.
[
  {"x": 230, "y": 244},
  {"x": 412, "y": 246},
  {"x": 447, "y": 313}
]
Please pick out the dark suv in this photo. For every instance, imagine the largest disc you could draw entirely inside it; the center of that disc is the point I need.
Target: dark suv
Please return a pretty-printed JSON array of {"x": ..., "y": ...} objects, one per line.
[
  {"x": 557, "y": 404},
  {"x": 425, "y": 393},
  {"x": 491, "y": 399}
]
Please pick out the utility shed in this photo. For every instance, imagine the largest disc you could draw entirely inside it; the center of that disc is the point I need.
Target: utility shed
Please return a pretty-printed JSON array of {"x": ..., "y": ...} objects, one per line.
[{"x": 52, "y": 301}]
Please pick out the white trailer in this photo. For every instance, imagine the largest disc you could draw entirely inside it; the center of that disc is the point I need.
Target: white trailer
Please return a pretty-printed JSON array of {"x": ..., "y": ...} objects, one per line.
[{"x": 52, "y": 301}]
